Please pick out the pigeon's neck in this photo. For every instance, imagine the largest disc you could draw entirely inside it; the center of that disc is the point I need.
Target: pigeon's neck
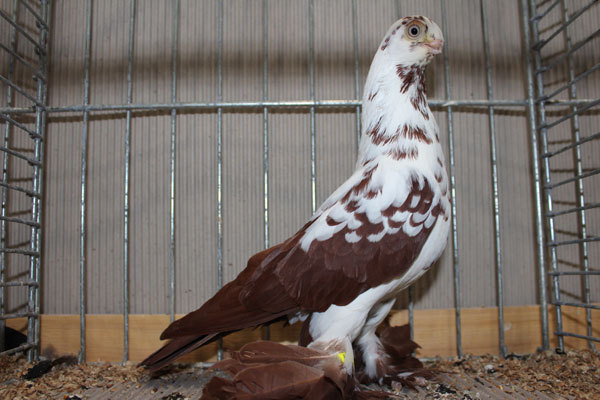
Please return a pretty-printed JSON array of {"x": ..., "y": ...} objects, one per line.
[{"x": 396, "y": 117}]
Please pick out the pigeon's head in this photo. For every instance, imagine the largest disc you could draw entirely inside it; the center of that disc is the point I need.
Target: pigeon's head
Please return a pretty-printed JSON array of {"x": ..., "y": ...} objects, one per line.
[{"x": 413, "y": 41}]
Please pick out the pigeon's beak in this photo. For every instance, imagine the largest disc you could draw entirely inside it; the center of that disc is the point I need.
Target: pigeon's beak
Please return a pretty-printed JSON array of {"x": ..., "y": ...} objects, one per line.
[{"x": 435, "y": 45}]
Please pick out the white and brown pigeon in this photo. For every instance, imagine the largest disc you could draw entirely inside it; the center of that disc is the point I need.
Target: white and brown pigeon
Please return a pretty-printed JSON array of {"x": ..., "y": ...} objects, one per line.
[{"x": 375, "y": 235}]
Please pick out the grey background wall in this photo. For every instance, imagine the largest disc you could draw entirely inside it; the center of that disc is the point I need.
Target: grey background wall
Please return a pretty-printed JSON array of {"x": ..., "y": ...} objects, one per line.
[{"x": 289, "y": 149}]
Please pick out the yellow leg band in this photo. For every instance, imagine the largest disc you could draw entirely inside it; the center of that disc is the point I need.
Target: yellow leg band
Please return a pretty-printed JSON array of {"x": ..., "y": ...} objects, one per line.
[{"x": 342, "y": 357}]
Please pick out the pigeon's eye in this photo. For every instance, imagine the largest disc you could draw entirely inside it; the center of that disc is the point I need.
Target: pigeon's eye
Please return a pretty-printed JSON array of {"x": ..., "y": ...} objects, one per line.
[{"x": 414, "y": 31}]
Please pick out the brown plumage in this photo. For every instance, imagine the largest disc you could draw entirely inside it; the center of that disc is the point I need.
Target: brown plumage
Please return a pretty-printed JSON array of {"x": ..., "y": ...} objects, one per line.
[
  {"x": 270, "y": 288},
  {"x": 224, "y": 313},
  {"x": 268, "y": 370}
]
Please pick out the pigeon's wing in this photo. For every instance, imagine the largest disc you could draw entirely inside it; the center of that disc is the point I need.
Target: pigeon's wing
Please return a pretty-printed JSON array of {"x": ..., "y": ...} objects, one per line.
[
  {"x": 369, "y": 232},
  {"x": 224, "y": 312}
]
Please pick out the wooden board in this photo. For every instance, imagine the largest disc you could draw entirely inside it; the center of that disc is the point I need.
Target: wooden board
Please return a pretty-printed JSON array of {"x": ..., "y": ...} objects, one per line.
[{"x": 434, "y": 330}]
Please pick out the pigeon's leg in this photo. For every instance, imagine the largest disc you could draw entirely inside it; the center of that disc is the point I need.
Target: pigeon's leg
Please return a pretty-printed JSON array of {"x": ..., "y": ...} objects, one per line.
[
  {"x": 339, "y": 324},
  {"x": 373, "y": 354},
  {"x": 336, "y": 323}
]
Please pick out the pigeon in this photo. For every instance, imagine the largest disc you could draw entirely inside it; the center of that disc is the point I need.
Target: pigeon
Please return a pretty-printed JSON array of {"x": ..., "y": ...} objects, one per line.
[{"x": 376, "y": 234}]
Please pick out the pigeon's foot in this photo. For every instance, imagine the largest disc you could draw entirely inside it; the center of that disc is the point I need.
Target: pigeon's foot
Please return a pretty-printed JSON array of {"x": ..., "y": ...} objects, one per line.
[{"x": 392, "y": 361}]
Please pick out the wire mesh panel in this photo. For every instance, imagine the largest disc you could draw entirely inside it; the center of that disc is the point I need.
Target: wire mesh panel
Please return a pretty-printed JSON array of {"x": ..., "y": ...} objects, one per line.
[
  {"x": 566, "y": 69},
  {"x": 23, "y": 83}
]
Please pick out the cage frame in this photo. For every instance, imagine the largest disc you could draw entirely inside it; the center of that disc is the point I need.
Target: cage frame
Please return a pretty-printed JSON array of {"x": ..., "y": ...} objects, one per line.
[{"x": 535, "y": 105}]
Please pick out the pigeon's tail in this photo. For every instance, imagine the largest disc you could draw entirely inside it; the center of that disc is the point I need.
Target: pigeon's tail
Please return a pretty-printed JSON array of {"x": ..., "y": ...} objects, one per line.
[
  {"x": 175, "y": 349},
  {"x": 206, "y": 325},
  {"x": 225, "y": 313}
]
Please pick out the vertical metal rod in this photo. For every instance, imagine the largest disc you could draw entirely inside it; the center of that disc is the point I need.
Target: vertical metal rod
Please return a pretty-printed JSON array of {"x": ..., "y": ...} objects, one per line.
[
  {"x": 84, "y": 143},
  {"x": 220, "y": 158},
  {"x": 456, "y": 269},
  {"x": 494, "y": 168},
  {"x": 546, "y": 179},
  {"x": 38, "y": 180},
  {"x": 127, "y": 184},
  {"x": 356, "y": 65},
  {"x": 39, "y": 18},
  {"x": 265, "y": 44},
  {"x": 174, "y": 55},
  {"x": 579, "y": 166},
  {"x": 539, "y": 222},
  {"x": 7, "y": 130},
  {"x": 313, "y": 151}
]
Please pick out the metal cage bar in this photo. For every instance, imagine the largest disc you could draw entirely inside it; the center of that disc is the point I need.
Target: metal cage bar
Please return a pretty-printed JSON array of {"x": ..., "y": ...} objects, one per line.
[
  {"x": 35, "y": 262},
  {"x": 220, "y": 158},
  {"x": 7, "y": 131},
  {"x": 313, "y": 139},
  {"x": 265, "y": 50},
  {"x": 232, "y": 106},
  {"x": 172, "y": 159},
  {"x": 15, "y": 127},
  {"x": 455, "y": 243},
  {"x": 126, "y": 183},
  {"x": 84, "y": 151},
  {"x": 494, "y": 169},
  {"x": 577, "y": 142},
  {"x": 356, "y": 68}
]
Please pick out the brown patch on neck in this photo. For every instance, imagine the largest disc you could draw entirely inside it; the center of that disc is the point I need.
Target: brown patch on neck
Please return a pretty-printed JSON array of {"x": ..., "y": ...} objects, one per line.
[
  {"x": 410, "y": 75},
  {"x": 414, "y": 133},
  {"x": 383, "y": 139},
  {"x": 379, "y": 137},
  {"x": 414, "y": 75},
  {"x": 403, "y": 154},
  {"x": 374, "y": 131},
  {"x": 385, "y": 43},
  {"x": 419, "y": 103}
]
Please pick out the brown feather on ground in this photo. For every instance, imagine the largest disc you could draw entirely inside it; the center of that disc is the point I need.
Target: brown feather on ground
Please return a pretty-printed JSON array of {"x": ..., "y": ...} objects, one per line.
[
  {"x": 281, "y": 380},
  {"x": 269, "y": 370}
]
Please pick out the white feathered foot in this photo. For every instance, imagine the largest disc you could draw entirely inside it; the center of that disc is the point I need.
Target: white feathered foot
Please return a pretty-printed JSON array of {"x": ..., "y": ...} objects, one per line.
[{"x": 386, "y": 356}]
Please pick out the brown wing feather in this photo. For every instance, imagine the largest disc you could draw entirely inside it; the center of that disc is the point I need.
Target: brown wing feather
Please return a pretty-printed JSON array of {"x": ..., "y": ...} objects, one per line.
[
  {"x": 282, "y": 380},
  {"x": 175, "y": 349},
  {"x": 222, "y": 314},
  {"x": 225, "y": 312},
  {"x": 284, "y": 279},
  {"x": 347, "y": 269}
]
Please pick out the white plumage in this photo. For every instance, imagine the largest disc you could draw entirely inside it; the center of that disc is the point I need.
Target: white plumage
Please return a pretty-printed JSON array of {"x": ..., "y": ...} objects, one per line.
[{"x": 388, "y": 107}]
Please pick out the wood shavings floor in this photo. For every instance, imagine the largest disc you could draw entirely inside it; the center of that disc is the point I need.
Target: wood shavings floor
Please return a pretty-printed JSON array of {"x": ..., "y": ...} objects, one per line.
[{"x": 546, "y": 375}]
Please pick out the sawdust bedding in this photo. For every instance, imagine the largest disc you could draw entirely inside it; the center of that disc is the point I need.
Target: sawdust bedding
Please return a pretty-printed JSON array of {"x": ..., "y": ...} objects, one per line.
[{"x": 574, "y": 374}]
